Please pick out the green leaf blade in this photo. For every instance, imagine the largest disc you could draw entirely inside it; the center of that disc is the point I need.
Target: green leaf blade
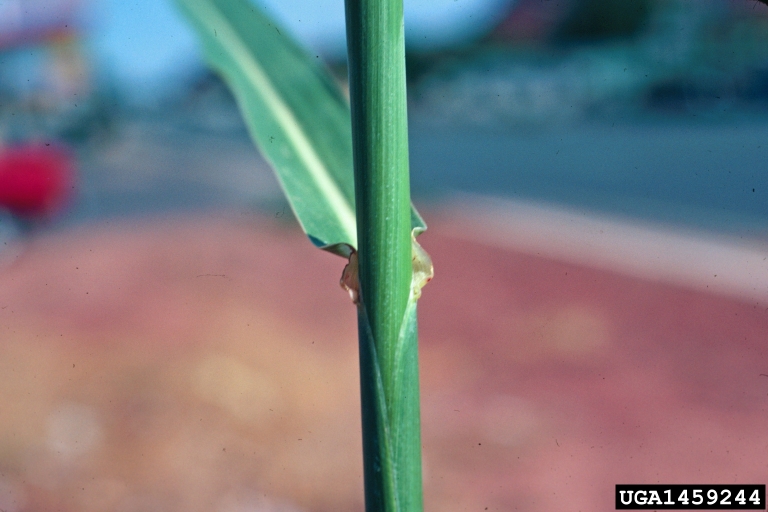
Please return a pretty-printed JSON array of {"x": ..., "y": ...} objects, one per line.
[
  {"x": 294, "y": 111},
  {"x": 295, "y": 115}
]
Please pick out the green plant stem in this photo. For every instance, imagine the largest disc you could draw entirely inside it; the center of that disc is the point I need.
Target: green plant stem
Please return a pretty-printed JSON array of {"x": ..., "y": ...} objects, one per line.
[{"x": 387, "y": 308}]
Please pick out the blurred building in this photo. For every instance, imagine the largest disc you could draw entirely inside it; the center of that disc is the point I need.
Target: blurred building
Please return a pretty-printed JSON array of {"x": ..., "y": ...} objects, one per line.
[
  {"x": 46, "y": 87},
  {"x": 554, "y": 62},
  {"x": 536, "y": 21}
]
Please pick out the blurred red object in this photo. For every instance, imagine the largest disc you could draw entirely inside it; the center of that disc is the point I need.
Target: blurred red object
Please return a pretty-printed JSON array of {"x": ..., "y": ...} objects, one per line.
[{"x": 35, "y": 180}]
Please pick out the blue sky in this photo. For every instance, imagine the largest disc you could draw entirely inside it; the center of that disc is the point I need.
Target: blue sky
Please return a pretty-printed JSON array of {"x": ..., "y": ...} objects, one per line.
[{"x": 145, "y": 46}]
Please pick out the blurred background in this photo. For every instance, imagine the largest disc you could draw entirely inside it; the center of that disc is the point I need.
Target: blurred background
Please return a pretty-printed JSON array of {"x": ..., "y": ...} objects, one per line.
[{"x": 595, "y": 178}]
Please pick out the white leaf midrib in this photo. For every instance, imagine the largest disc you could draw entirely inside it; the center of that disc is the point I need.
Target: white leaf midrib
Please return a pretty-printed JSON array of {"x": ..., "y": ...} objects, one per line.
[{"x": 250, "y": 67}]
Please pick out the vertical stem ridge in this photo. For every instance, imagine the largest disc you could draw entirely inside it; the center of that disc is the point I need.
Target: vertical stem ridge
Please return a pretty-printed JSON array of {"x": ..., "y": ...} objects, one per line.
[{"x": 387, "y": 310}]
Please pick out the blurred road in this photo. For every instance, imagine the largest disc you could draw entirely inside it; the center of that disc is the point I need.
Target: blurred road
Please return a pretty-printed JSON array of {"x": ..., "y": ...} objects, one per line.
[
  {"x": 704, "y": 176},
  {"x": 153, "y": 165}
]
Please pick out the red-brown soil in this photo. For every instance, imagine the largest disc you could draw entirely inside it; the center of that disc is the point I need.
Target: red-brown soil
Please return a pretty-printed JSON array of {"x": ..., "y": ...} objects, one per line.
[{"x": 210, "y": 364}]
